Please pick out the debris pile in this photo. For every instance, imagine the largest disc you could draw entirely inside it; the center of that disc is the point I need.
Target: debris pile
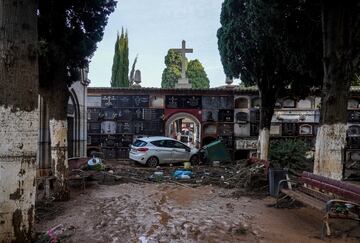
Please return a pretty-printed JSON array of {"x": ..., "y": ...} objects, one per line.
[{"x": 250, "y": 175}]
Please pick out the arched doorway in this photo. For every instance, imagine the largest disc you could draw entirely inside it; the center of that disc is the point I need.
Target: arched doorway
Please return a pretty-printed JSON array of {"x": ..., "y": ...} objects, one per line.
[
  {"x": 73, "y": 118},
  {"x": 184, "y": 127}
]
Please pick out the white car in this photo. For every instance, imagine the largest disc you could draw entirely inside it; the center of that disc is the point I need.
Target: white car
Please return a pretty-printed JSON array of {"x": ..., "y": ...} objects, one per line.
[{"x": 153, "y": 151}]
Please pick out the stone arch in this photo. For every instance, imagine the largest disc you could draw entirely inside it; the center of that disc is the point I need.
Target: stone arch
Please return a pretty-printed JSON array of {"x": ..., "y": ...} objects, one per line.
[
  {"x": 182, "y": 115},
  {"x": 73, "y": 125}
]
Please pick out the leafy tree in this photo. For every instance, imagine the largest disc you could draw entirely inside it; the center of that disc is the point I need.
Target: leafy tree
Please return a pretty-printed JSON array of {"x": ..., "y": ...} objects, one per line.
[
  {"x": 173, "y": 58},
  {"x": 341, "y": 61},
  {"x": 68, "y": 34},
  {"x": 120, "y": 68},
  {"x": 262, "y": 42},
  {"x": 197, "y": 75},
  {"x": 170, "y": 77},
  {"x": 172, "y": 72}
]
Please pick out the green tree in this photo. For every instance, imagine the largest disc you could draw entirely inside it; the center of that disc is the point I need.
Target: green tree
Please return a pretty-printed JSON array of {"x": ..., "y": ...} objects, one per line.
[
  {"x": 197, "y": 75},
  {"x": 68, "y": 34},
  {"x": 172, "y": 71},
  {"x": 269, "y": 44},
  {"x": 120, "y": 68},
  {"x": 173, "y": 58},
  {"x": 170, "y": 77}
]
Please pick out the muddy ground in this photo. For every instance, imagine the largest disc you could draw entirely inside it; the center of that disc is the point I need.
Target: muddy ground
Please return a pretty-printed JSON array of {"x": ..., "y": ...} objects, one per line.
[{"x": 141, "y": 211}]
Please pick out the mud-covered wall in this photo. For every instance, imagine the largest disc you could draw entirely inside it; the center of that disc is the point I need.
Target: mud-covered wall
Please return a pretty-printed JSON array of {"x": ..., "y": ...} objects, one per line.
[{"x": 17, "y": 173}]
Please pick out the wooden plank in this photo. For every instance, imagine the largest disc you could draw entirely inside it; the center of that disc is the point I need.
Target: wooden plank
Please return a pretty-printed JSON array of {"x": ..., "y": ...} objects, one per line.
[{"x": 306, "y": 199}]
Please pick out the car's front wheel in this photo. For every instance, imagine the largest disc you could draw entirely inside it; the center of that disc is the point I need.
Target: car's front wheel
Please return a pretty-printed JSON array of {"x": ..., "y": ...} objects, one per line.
[
  {"x": 152, "y": 162},
  {"x": 194, "y": 160}
]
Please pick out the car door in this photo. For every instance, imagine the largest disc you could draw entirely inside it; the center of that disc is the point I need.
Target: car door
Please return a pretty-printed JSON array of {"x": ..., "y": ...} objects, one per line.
[
  {"x": 180, "y": 152},
  {"x": 162, "y": 151}
]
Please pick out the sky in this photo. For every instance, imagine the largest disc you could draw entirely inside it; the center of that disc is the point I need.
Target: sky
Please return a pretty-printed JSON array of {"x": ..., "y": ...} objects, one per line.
[{"x": 154, "y": 27}]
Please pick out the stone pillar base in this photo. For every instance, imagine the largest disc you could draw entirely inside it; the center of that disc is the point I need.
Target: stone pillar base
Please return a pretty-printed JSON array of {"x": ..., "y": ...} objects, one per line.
[{"x": 183, "y": 83}]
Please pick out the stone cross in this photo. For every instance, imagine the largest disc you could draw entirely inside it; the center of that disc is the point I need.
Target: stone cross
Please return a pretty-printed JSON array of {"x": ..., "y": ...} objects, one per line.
[{"x": 183, "y": 51}]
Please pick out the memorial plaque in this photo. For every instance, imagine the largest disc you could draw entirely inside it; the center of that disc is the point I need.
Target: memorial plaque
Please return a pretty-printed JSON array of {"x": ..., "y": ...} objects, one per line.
[
  {"x": 124, "y": 101},
  {"x": 95, "y": 140},
  {"x": 305, "y": 129},
  {"x": 127, "y": 128},
  {"x": 275, "y": 130},
  {"x": 157, "y": 101},
  {"x": 138, "y": 127},
  {"x": 353, "y": 104},
  {"x": 109, "y": 114},
  {"x": 254, "y": 115},
  {"x": 218, "y": 102},
  {"x": 241, "y": 103},
  {"x": 289, "y": 129},
  {"x": 210, "y": 129},
  {"x": 153, "y": 114},
  {"x": 154, "y": 128},
  {"x": 242, "y": 130},
  {"x": 108, "y": 101},
  {"x": 108, "y": 127},
  {"x": 226, "y": 116},
  {"x": 288, "y": 103},
  {"x": 353, "y": 131},
  {"x": 254, "y": 129},
  {"x": 226, "y": 129},
  {"x": 93, "y": 114},
  {"x": 210, "y": 102},
  {"x": 94, "y": 127},
  {"x": 353, "y": 116},
  {"x": 125, "y": 115},
  {"x": 353, "y": 142},
  {"x": 227, "y": 141},
  {"x": 246, "y": 144},
  {"x": 241, "y": 117},
  {"x": 141, "y": 101},
  {"x": 171, "y": 102},
  {"x": 183, "y": 102},
  {"x": 138, "y": 114},
  {"x": 210, "y": 115},
  {"x": 93, "y": 101},
  {"x": 304, "y": 104},
  {"x": 226, "y": 102}
]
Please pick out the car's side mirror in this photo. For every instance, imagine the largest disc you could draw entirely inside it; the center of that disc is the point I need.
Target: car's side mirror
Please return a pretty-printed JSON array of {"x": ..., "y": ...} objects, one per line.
[{"x": 187, "y": 149}]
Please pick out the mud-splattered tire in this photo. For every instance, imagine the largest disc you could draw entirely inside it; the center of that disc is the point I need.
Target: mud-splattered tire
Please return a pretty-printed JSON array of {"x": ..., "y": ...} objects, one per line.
[
  {"x": 194, "y": 160},
  {"x": 152, "y": 161}
]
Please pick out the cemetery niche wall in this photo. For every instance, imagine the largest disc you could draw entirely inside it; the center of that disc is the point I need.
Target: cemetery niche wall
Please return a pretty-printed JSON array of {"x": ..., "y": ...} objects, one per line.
[{"x": 117, "y": 116}]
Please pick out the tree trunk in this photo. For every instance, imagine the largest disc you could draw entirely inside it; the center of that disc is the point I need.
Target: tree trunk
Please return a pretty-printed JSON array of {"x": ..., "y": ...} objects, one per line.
[
  {"x": 19, "y": 119},
  {"x": 337, "y": 17},
  {"x": 264, "y": 141},
  {"x": 268, "y": 100},
  {"x": 56, "y": 97}
]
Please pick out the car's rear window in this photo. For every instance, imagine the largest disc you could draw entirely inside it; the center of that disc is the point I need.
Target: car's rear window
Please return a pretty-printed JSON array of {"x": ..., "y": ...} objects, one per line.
[
  {"x": 139, "y": 143},
  {"x": 159, "y": 143}
]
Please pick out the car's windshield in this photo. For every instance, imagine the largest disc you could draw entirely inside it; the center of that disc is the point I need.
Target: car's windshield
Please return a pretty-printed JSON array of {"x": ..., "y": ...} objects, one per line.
[{"x": 139, "y": 143}]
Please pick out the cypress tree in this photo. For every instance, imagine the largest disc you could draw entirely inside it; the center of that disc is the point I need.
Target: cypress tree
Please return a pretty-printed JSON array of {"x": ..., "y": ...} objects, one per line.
[
  {"x": 115, "y": 66},
  {"x": 120, "y": 68}
]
